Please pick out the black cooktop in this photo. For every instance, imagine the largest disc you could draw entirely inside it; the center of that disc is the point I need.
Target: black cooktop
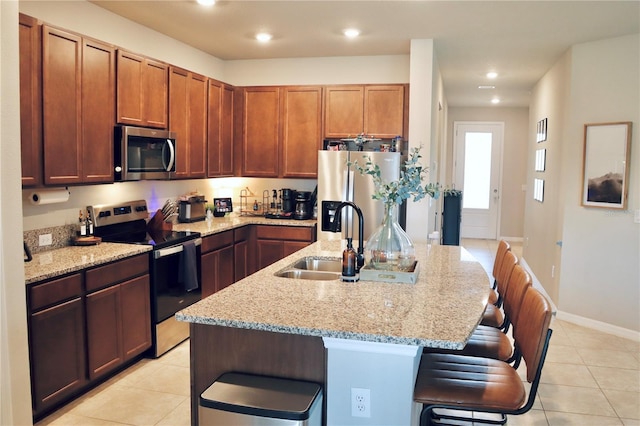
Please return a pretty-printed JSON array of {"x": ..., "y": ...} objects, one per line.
[{"x": 136, "y": 232}]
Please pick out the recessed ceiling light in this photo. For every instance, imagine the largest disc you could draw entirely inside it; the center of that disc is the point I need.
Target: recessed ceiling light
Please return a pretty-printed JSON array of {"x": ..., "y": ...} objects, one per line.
[
  {"x": 486, "y": 87},
  {"x": 495, "y": 101},
  {"x": 492, "y": 74},
  {"x": 263, "y": 37},
  {"x": 351, "y": 32},
  {"x": 206, "y": 2}
]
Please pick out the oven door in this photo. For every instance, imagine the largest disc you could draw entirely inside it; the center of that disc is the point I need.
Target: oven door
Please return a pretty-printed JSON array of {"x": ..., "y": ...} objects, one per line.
[{"x": 168, "y": 294}]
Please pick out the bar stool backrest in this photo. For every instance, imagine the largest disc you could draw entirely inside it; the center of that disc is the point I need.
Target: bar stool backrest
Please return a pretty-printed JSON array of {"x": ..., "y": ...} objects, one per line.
[{"x": 531, "y": 333}]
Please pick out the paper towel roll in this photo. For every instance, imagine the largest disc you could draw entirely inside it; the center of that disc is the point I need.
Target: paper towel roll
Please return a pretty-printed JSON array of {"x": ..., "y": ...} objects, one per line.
[{"x": 49, "y": 196}]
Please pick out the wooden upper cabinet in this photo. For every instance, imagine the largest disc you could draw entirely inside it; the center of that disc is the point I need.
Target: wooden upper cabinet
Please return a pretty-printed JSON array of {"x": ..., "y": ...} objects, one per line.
[
  {"x": 344, "y": 111},
  {"x": 261, "y": 126},
  {"x": 61, "y": 85},
  {"x": 376, "y": 110},
  {"x": 188, "y": 119},
  {"x": 98, "y": 110},
  {"x": 384, "y": 111},
  {"x": 178, "y": 119},
  {"x": 78, "y": 80},
  {"x": 142, "y": 91},
  {"x": 198, "y": 125},
  {"x": 30, "y": 100},
  {"x": 220, "y": 129},
  {"x": 301, "y": 131}
]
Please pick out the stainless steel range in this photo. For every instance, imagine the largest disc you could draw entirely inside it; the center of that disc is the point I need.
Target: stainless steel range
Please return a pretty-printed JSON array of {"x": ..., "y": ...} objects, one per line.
[{"x": 174, "y": 265}]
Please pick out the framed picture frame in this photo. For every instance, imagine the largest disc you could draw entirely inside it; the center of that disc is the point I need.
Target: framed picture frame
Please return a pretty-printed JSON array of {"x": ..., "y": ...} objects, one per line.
[
  {"x": 605, "y": 165},
  {"x": 541, "y": 160},
  {"x": 541, "y": 130}
]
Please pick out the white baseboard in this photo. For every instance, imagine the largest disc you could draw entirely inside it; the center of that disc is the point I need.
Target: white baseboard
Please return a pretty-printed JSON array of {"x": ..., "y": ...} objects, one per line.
[
  {"x": 599, "y": 326},
  {"x": 511, "y": 239},
  {"x": 582, "y": 321}
]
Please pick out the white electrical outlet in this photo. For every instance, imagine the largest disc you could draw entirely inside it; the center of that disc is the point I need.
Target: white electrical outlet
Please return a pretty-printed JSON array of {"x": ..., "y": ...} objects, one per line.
[
  {"x": 45, "y": 240},
  {"x": 360, "y": 402}
]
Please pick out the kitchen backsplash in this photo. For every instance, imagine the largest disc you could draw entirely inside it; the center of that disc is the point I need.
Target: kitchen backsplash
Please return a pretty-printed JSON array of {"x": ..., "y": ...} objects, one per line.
[{"x": 60, "y": 237}]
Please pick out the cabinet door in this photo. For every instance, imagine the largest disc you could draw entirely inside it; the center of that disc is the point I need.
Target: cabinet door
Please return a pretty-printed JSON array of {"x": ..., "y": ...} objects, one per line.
[
  {"x": 156, "y": 93},
  {"x": 240, "y": 257},
  {"x": 30, "y": 100},
  {"x": 344, "y": 111},
  {"x": 260, "y": 143},
  {"x": 178, "y": 118},
  {"x": 98, "y": 110},
  {"x": 226, "y": 132},
  {"x": 130, "y": 83},
  {"x": 290, "y": 247},
  {"x": 220, "y": 130},
  {"x": 142, "y": 91},
  {"x": 269, "y": 251},
  {"x": 301, "y": 131},
  {"x": 209, "y": 271},
  {"x": 214, "y": 130},
  {"x": 384, "y": 111},
  {"x": 197, "y": 115},
  {"x": 57, "y": 350},
  {"x": 226, "y": 270},
  {"x": 104, "y": 331},
  {"x": 136, "y": 316},
  {"x": 61, "y": 68}
]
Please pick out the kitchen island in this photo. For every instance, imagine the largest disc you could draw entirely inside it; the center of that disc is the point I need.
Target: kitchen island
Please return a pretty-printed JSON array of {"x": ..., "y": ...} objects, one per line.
[{"x": 365, "y": 335}]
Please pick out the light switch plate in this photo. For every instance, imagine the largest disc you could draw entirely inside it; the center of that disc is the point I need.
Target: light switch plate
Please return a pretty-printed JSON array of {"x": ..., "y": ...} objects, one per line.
[
  {"x": 45, "y": 240},
  {"x": 636, "y": 216}
]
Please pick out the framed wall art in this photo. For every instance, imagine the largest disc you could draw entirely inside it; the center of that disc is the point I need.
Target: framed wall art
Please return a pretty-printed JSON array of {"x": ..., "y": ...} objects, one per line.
[
  {"x": 605, "y": 165},
  {"x": 538, "y": 190},
  {"x": 541, "y": 160},
  {"x": 541, "y": 131}
]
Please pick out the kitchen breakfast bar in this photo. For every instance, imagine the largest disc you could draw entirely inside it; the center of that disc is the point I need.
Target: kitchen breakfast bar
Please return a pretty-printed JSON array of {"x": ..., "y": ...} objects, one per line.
[{"x": 364, "y": 335}]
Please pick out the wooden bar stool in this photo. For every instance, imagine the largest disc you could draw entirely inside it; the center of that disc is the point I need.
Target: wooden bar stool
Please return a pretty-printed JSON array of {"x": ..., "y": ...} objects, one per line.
[{"x": 457, "y": 382}]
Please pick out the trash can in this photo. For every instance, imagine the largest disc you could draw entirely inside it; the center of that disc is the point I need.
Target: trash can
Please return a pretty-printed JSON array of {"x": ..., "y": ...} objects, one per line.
[{"x": 245, "y": 399}]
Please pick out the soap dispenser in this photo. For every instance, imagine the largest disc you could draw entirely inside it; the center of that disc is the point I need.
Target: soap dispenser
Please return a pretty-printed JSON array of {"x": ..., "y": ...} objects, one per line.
[{"x": 349, "y": 263}]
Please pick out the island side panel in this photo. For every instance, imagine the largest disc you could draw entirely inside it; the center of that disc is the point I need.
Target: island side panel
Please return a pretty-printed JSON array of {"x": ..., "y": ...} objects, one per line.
[{"x": 216, "y": 350}]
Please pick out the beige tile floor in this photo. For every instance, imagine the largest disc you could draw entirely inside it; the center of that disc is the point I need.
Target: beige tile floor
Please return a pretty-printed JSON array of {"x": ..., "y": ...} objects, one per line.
[{"x": 590, "y": 378}]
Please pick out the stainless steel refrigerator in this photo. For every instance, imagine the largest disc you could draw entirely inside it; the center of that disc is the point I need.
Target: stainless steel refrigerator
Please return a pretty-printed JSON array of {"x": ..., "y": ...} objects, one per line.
[{"x": 339, "y": 182}]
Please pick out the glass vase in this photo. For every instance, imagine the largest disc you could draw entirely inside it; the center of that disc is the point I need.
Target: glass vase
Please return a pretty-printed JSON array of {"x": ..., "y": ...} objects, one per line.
[{"x": 389, "y": 248}]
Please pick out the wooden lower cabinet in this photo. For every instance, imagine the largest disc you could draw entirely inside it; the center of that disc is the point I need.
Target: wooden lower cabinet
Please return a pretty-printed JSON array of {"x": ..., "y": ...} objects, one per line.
[
  {"x": 243, "y": 256},
  {"x": 84, "y": 326},
  {"x": 217, "y": 262},
  {"x": 277, "y": 242},
  {"x": 118, "y": 325},
  {"x": 57, "y": 347}
]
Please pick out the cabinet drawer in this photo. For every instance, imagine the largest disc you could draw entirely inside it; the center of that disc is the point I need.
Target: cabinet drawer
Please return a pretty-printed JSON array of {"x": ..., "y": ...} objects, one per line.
[
  {"x": 116, "y": 272},
  {"x": 291, "y": 233},
  {"x": 49, "y": 293},
  {"x": 217, "y": 241}
]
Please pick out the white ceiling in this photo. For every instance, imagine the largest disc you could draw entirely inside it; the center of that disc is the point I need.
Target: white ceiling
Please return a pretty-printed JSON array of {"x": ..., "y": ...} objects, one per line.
[{"x": 521, "y": 40}]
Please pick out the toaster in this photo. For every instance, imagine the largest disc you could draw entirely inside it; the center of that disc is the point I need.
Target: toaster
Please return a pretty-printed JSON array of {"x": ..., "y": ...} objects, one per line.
[{"x": 193, "y": 209}]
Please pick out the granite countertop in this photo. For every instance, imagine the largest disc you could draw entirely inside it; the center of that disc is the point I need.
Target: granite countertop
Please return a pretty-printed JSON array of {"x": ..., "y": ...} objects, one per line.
[
  {"x": 221, "y": 224},
  {"x": 53, "y": 263},
  {"x": 440, "y": 310},
  {"x": 65, "y": 260}
]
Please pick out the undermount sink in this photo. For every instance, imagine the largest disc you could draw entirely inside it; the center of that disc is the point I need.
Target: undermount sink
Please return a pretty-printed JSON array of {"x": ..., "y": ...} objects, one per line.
[
  {"x": 319, "y": 264},
  {"x": 313, "y": 268}
]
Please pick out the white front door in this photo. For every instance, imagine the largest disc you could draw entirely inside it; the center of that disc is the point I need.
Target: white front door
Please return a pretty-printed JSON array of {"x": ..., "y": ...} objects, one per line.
[{"x": 477, "y": 166}]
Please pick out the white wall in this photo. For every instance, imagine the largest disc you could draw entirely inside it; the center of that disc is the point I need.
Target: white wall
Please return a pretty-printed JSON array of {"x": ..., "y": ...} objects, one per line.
[
  {"x": 601, "y": 248},
  {"x": 15, "y": 392},
  {"x": 93, "y": 21},
  {"x": 596, "y": 277},
  {"x": 420, "y": 106},
  {"x": 331, "y": 70}
]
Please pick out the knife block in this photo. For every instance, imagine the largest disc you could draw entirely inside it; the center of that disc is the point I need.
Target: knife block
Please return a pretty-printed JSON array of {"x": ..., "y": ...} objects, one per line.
[{"x": 157, "y": 223}]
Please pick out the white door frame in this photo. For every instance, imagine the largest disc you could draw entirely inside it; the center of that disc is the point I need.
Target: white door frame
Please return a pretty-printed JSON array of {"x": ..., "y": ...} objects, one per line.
[{"x": 500, "y": 125}]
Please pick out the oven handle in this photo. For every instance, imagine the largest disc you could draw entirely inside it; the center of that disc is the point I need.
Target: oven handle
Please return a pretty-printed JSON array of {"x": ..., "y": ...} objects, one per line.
[{"x": 157, "y": 254}]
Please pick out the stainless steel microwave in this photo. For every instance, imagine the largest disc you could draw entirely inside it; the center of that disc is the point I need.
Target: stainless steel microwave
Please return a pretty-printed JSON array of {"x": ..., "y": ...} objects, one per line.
[{"x": 143, "y": 153}]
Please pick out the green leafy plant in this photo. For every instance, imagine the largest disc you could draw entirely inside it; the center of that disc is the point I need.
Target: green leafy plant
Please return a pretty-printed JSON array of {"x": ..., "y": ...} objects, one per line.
[{"x": 409, "y": 185}]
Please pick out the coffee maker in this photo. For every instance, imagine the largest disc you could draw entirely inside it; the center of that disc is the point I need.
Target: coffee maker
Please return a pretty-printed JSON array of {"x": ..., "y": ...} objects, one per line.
[
  {"x": 288, "y": 201},
  {"x": 304, "y": 206}
]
